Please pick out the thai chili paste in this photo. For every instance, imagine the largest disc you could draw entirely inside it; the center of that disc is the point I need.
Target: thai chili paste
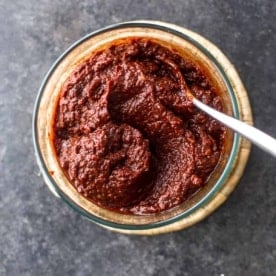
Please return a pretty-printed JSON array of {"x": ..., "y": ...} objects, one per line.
[{"x": 127, "y": 136}]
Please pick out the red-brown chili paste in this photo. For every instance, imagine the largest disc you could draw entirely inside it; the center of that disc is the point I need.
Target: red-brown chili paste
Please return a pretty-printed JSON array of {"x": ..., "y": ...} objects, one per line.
[{"x": 126, "y": 134}]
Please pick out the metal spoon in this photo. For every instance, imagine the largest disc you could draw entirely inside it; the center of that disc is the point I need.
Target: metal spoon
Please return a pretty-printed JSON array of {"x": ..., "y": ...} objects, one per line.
[{"x": 256, "y": 136}]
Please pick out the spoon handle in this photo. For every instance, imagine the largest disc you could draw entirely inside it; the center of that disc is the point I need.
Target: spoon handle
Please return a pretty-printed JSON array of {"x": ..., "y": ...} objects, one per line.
[{"x": 253, "y": 134}]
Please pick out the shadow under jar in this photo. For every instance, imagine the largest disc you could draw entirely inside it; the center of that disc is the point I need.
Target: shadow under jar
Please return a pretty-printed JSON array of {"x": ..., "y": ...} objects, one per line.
[{"x": 130, "y": 203}]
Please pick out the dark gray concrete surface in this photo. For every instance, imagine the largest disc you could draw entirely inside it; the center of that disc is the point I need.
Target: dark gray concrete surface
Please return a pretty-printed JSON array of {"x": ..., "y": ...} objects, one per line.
[{"x": 41, "y": 235}]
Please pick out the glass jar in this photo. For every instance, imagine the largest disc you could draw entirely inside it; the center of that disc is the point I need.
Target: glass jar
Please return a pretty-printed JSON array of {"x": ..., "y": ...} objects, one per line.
[{"x": 222, "y": 75}]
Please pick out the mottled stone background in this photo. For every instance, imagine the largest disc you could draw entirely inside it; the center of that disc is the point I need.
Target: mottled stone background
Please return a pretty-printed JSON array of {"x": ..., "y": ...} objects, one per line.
[{"x": 41, "y": 235}]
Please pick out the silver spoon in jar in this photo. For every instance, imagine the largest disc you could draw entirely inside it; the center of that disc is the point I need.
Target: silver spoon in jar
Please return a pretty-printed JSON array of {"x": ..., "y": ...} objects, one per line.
[{"x": 256, "y": 136}]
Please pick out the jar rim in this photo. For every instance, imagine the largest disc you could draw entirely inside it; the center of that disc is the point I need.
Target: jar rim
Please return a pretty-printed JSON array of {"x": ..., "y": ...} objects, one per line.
[{"x": 226, "y": 171}]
